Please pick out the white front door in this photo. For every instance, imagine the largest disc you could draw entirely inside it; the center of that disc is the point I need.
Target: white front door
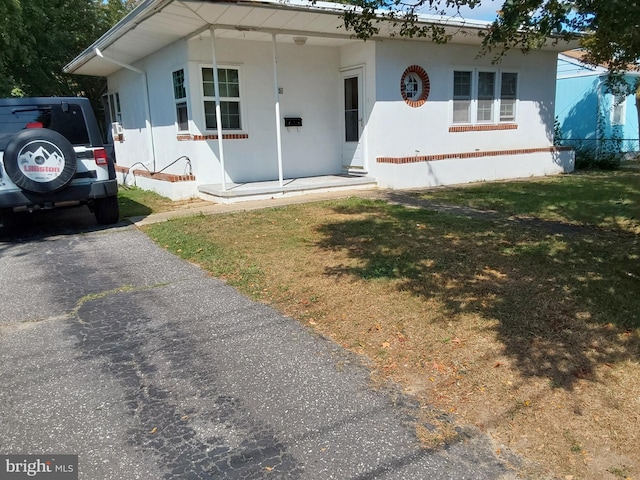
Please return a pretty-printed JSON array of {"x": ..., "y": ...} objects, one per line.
[{"x": 352, "y": 94}]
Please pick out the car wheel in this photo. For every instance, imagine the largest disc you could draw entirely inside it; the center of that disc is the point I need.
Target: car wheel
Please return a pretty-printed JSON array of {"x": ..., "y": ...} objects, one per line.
[
  {"x": 40, "y": 160},
  {"x": 107, "y": 210}
]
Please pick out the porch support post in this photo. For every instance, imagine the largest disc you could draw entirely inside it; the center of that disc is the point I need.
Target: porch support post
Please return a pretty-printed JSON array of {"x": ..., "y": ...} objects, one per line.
[
  {"x": 277, "y": 111},
  {"x": 216, "y": 87}
]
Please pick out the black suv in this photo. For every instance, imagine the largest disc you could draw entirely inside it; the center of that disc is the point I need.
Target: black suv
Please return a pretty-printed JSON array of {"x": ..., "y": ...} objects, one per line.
[{"x": 52, "y": 155}]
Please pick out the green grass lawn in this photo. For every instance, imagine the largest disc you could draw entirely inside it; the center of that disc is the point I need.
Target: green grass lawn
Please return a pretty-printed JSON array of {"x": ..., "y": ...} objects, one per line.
[
  {"x": 136, "y": 202},
  {"x": 608, "y": 199}
]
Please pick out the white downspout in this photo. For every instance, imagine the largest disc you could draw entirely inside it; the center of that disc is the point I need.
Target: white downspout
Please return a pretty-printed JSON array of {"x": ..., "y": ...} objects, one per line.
[
  {"x": 216, "y": 87},
  {"x": 277, "y": 109},
  {"x": 147, "y": 103}
]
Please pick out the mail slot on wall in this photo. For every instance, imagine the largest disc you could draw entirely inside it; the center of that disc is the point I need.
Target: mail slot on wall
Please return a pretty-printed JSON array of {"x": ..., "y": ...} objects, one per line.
[{"x": 292, "y": 121}]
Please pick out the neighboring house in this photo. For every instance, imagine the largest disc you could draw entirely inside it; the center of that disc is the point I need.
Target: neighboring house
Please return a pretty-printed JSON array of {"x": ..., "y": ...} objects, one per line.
[
  {"x": 218, "y": 95},
  {"x": 588, "y": 113}
]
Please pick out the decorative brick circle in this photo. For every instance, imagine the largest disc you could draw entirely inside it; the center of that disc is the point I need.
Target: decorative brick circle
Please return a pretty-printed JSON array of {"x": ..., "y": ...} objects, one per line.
[{"x": 414, "y": 86}]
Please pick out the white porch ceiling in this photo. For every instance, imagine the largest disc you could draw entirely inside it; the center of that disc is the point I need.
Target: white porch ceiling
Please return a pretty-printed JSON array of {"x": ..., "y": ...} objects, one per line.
[{"x": 156, "y": 24}]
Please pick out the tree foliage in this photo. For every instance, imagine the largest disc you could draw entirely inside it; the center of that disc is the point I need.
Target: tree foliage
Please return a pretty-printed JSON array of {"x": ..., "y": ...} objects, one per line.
[
  {"x": 609, "y": 30},
  {"x": 10, "y": 45},
  {"x": 39, "y": 37}
]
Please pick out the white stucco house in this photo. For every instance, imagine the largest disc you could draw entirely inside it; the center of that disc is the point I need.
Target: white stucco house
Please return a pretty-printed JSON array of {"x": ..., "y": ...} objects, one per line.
[{"x": 227, "y": 98}]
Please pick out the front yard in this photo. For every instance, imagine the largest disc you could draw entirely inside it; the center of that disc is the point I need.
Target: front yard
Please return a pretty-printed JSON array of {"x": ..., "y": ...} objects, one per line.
[{"x": 524, "y": 324}]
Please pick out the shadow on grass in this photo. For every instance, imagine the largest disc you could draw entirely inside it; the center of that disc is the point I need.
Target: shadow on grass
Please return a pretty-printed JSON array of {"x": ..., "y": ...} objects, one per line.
[
  {"x": 132, "y": 208},
  {"x": 564, "y": 303}
]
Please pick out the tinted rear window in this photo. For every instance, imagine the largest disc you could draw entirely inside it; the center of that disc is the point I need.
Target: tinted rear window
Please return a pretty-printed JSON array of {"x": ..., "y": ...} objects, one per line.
[{"x": 70, "y": 123}]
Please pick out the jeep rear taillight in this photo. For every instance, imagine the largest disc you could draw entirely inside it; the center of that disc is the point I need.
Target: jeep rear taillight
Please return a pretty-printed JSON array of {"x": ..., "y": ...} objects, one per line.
[{"x": 100, "y": 156}]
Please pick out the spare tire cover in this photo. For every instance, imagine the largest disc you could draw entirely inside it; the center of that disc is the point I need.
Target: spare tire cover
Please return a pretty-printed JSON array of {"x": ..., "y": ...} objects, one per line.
[{"x": 40, "y": 160}]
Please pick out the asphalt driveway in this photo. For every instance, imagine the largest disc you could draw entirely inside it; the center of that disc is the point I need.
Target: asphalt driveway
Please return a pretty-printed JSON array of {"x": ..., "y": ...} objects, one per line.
[{"x": 148, "y": 368}]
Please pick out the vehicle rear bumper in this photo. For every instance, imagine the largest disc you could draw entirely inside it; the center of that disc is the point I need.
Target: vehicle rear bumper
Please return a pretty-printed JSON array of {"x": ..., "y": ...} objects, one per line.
[{"x": 73, "y": 193}]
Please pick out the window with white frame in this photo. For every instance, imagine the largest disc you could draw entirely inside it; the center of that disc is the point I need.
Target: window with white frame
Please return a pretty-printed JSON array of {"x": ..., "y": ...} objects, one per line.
[
  {"x": 461, "y": 97},
  {"x": 114, "y": 107},
  {"x": 481, "y": 96},
  {"x": 230, "y": 99},
  {"x": 618, "y": 109},
  {"x": 508, "y": 96},
  {"x": 180, "y": 97},
  {"x": 486, "y": 96}
]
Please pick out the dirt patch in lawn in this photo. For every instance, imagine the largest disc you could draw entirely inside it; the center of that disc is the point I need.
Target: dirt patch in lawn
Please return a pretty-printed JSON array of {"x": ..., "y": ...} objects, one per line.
[{"x": 528, "y": 335}]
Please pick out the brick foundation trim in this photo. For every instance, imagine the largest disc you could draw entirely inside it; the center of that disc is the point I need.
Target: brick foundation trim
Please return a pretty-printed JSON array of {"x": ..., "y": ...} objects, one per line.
[
  {"x": 483, "y": 128},
  {"x": 464, "y": 155},
  {"x": 225, "y": 136},
  {"x": 166, "y": 177}
]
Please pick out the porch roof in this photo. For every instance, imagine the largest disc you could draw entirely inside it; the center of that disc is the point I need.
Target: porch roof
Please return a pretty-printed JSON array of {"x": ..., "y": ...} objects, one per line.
[{"x": 155, "y": 24}]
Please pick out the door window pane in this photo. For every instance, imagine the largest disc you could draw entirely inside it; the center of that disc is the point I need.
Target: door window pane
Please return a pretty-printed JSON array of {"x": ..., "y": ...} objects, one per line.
[{"x": 351, "y": 113}]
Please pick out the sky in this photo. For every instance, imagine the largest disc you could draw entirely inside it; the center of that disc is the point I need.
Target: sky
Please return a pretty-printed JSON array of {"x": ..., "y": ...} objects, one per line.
[{"x": 485, "y": 11}]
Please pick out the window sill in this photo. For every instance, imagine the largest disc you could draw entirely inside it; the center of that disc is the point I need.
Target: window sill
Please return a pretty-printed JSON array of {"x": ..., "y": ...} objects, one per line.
[{"x": 483, "y": 127}]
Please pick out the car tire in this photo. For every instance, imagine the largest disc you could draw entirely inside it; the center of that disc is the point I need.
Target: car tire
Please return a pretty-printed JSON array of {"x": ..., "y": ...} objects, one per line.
[
  {"x": 107, "y": 210},
  {"x": 40, "y": 160}
]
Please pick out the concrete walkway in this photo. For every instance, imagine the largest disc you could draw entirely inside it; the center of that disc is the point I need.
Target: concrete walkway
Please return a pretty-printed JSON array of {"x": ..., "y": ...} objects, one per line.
[
  {"x": 215, "y": 208},
  {"x": 406, "y": 198},
  {"x": 393, "y": 196}
]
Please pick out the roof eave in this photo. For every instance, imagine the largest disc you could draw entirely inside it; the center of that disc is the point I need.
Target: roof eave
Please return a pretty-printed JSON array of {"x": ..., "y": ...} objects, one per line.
[
  {"x": 148, "y": 8},
  {"x": 144, "y": 10}
]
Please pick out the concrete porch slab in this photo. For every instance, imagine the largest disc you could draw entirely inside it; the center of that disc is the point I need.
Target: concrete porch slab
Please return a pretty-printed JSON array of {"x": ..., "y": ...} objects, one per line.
[{"x": 237, "y": 192}]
